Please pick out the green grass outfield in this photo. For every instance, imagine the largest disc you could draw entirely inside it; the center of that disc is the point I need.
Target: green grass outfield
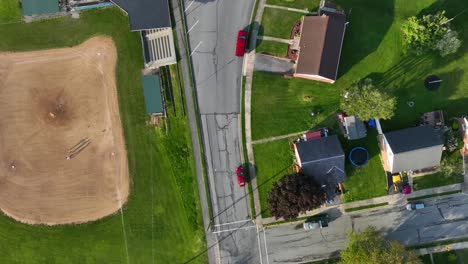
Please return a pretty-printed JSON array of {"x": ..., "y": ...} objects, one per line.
[
  {"x": 9, "y": 11},
  {"x": 162, "y": 220}
]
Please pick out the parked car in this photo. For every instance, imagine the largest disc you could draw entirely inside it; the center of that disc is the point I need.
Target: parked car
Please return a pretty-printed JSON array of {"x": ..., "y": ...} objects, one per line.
[
  {"x": 240, "y": 176},
  {"x": 414, "y": 206},
  {"x": 315, "y": 224},
  {"x": 241, "y": 43}
]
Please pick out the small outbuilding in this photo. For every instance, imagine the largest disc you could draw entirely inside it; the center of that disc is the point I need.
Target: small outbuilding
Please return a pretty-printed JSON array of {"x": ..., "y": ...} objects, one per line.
[
  {"x": 39, "y": 7},
  {"x": 153, "y": 96},
  {"x": 355, "y": 128}
]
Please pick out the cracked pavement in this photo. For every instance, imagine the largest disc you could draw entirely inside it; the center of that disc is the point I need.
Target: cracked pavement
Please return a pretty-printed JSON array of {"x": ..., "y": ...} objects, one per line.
[
  {"x": 217, "y": 75},
  {"x": 443, "y": 218}
]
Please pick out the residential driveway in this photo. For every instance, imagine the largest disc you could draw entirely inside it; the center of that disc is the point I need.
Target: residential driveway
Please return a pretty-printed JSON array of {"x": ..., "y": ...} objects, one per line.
[
  {"x": 443, "y": 218},
  {"x": 268, "y": 63}
]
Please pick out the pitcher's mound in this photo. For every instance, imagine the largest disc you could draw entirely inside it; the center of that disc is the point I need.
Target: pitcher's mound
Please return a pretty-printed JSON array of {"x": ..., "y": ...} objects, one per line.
[{"x": 62, "y": 154}]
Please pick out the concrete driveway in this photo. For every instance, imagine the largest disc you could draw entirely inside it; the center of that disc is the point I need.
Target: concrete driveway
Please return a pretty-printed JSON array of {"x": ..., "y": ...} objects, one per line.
[{"x": 268, "y": 63}]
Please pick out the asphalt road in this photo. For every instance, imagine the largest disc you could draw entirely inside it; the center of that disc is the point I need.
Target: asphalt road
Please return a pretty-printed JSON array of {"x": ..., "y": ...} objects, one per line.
[
  {"x": 443, "y": 218},
  {"x": 212, "y": 30}
]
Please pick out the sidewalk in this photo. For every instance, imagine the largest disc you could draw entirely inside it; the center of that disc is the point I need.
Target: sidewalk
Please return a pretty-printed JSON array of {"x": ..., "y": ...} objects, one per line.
[
  {"x": 286, "y": 41},
  {"x": 392, "y": 200},
  {"x": 249, "y": 69},
  {"x": 305, "y": 11},
  {"x": 431, "y": 250},
  {"x": 265, "y": 140}
]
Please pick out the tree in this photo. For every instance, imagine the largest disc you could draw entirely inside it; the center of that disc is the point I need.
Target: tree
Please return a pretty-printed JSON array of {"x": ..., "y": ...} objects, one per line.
[
  {"x": 366, "y": 101},
  {"x": 421, "y": 34},
  {"x": 294, "y": 194},
  {"x": 448, "y": 44},
  {"x": 369, "y": 247}
]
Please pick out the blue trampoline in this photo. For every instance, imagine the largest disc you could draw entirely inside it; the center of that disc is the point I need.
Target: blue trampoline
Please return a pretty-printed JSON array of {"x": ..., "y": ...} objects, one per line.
[{"x": 359, "y": 156}]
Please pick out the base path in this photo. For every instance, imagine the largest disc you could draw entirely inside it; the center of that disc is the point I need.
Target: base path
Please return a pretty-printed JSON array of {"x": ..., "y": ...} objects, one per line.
[{"x": 63, "y": 157}]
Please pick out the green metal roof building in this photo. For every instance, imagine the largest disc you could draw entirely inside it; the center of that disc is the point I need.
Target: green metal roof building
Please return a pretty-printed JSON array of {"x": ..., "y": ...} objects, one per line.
[
  {"x": 39, "y": 7},
  {"x": 152, "y": 92}
]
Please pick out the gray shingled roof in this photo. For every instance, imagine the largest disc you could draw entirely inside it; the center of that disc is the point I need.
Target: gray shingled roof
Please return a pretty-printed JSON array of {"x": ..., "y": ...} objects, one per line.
[
  {"x": 413, "y": 138},
  {"x": 146, "y": 14},
  {"x": 323, "y": 160}
]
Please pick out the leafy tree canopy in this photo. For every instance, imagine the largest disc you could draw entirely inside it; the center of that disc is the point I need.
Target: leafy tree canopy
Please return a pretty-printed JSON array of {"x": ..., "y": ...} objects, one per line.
[
  {"x": 369, "y": 247},
  {"x": 421, "y": 34},
  {"x": 366, "y": 101},
  {"x": 294, "y": 194}
]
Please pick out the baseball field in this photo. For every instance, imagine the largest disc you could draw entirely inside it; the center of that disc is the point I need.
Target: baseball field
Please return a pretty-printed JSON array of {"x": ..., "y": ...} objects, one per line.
[{"x": 75, "y": 147}]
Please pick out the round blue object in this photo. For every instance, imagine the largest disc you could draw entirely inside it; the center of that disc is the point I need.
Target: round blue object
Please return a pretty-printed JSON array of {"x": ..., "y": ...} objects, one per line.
[{"x": 359, "y": 156}]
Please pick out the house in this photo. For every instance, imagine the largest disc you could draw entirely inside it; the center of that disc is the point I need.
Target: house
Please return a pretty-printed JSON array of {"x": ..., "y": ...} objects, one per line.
[
  {"x": 411, "y": 149},
  {"x": 321, "y": 40},
  {"x": 152, "y": 19},
  {"x": 153, "y": 97},
  {"x": 42, "y": 7},
  {"x": 323, "y": 160}
]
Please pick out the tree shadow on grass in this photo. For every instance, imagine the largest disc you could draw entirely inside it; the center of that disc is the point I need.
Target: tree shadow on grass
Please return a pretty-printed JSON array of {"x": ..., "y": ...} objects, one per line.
[{"x": 369, "y": 22}]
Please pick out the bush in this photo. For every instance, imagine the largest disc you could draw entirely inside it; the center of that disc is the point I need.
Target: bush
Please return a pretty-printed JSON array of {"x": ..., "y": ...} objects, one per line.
[{"x": 448, "y": 44}]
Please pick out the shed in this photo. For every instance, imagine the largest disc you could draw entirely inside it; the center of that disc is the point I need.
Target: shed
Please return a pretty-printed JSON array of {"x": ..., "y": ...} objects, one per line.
[
  {"x": 36, "y": 7},
  {"x": 355, "y": 128},
  {"x": 152, "y": 93}
]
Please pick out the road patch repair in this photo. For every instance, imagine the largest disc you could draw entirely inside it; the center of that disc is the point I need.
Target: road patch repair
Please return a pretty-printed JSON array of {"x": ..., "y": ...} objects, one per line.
[{"x": 62, "y": 155}]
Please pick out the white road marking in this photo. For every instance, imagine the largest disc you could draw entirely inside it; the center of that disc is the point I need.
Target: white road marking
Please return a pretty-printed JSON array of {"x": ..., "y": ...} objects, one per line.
[
  {"x": 193, "y": 26},
  {"x": 233, "y": 229},
  {"x": 195, "y": 49},
  {"x": 259, "y": 246},
  {"x": 266, "y": 248},
  {"x": 236, "y": 222},
  {"x": 189, "y": 6}
]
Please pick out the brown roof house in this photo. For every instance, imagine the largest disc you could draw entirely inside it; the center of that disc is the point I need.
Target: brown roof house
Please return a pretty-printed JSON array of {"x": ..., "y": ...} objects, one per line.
[
  {"x": 411, "y": 149},
  {"x": 320, "y": 45}
]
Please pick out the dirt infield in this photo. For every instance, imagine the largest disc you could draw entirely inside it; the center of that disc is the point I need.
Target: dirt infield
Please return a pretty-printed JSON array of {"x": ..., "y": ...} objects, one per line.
[{"x": 62, "y": 151}]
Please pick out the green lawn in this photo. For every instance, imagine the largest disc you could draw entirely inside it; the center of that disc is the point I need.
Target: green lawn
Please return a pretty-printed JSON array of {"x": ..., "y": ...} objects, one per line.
[
  {"x": 450, "y": 173},
  {"x": 162, "y": 220},
  {"x": 311, "y": 5},
  {"x": 452, "y": 257},
  {"x": 368, "y": 181},
  {"x": 278, "y": 23},
  {"x": 9, "y": 11},
  {"x": 273, "y": 160},
  {"x": 282, "y": 106},
  {"x": 272, "y": 48}
]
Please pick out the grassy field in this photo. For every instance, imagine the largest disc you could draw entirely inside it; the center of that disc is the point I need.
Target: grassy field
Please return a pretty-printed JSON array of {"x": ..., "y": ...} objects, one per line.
[
  {"x": 272, "y": 48},
  {"x": 281, "y": 106},
  {"x": 273, "y": 160},
  {"x": 369, "y": 180},
  {"x": 278, "y": 23},
  {"x": 161, "y": 219},
  {"x": 311, "y": 5},
  {"x": 9, "y": 11}
]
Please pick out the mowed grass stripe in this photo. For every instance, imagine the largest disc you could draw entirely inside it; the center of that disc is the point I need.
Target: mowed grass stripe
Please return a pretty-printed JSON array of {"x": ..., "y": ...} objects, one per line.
[{"x": 153, "y": 158}]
